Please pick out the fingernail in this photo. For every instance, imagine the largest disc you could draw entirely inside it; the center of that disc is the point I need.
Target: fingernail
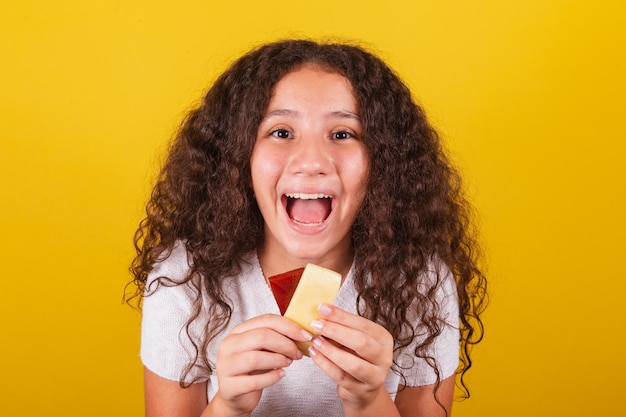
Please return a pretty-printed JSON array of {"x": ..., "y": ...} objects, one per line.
[
  {"x": 307, "y": 336},
  {"x": 312, "y": 351},
  {"x": 281, "y": 373},
  {"x": 324, "y": 309},
  {"x": 298, "y": 354},
  {"x": 317, "y": 325},
  {"x": 317, "y": 342}
]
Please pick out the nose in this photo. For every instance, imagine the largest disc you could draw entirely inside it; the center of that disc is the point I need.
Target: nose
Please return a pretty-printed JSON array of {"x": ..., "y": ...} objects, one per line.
[{"x": 312, "y": 157}]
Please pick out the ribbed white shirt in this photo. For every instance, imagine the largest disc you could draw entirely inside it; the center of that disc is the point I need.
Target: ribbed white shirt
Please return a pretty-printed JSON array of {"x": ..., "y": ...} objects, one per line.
[{"x": 305, "y": 390}]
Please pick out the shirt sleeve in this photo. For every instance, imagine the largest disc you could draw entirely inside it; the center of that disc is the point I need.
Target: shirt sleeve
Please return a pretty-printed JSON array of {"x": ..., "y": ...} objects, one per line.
[
  {"x": 166, "y": 349},
  {"x": 445, "y": 348}
]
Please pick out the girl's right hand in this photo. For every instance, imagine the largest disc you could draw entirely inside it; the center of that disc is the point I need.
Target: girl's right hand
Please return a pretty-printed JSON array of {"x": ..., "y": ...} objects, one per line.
[{"x": 251, "y": 358}]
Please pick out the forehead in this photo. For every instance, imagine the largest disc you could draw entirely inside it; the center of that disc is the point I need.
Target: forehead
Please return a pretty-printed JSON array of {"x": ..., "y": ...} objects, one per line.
[{"x": 313, "y": 84}]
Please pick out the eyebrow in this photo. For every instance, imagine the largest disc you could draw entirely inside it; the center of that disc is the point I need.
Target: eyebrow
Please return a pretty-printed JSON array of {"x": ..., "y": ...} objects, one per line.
[{"x": 340, "y": 114}]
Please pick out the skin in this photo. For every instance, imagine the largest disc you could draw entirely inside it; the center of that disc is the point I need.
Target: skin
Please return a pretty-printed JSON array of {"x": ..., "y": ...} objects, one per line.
[{"x": 308, "y": 142}]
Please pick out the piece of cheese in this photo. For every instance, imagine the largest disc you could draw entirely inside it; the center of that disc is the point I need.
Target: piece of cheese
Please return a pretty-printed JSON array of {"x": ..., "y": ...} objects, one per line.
[{"x": 318, "y": 285}]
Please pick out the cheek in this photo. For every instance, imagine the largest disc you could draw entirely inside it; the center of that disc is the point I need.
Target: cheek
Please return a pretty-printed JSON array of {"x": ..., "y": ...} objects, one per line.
[
  {"x": 265, "y": 167},
  {"x": 357, "y": 168}
]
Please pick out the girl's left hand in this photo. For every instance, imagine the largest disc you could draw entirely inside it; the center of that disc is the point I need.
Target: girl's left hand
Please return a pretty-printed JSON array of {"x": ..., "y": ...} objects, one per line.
[{"x": 354, "y": 352}]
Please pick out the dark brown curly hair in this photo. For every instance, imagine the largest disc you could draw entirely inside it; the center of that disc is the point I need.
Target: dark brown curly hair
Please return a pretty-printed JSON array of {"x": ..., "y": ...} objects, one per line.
[{"x": 413, "y": 212}]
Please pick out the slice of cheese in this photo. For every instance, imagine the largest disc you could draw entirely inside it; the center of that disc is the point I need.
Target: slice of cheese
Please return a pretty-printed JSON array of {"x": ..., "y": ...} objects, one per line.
[{"x": 318, "y": 285}]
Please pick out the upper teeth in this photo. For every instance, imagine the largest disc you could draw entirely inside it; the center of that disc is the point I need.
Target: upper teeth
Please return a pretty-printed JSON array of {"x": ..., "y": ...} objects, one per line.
[{"x": 305, "y": 196}]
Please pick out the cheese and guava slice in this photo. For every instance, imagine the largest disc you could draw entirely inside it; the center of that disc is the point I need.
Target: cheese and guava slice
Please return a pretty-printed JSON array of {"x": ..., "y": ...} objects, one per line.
[{"x": 317, "y": 285}]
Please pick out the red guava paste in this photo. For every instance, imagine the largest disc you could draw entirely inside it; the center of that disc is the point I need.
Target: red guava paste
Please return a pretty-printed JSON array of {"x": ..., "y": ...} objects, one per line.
[{"x": 283, "y": 286}]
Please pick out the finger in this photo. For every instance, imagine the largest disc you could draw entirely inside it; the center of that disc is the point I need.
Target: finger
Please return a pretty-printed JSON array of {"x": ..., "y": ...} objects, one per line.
[
  {"x": 260, "y": 339},
  {"x": 354, "y": 340},
  {"x": 372, "y": 343},
  {"x": 277, "y": 323},
  {"x": 340, "y": 365},
  {"x": 331, "y": 313},
  {"x": 250, "y": 383},
  {"x": 255, "y": 362}
]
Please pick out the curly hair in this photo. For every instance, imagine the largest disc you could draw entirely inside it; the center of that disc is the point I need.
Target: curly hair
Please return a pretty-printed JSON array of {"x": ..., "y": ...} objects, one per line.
[{"x": 413, "y": 212}]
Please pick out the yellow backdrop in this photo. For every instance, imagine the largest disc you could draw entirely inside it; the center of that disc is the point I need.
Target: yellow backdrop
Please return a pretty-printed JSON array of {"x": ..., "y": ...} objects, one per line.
[{"x": 529, "y": 96}]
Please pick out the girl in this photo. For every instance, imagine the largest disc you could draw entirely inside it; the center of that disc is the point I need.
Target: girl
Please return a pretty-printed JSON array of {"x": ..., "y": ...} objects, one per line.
[{"x": 306, "y": 153}]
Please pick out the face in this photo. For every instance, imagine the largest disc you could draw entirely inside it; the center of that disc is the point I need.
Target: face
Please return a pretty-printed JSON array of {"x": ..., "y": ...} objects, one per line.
[{"x": 309, "y": 171}]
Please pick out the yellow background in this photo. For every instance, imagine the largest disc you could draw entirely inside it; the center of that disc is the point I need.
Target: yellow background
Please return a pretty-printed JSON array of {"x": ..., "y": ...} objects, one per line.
[{"x": 529, "y": 96}]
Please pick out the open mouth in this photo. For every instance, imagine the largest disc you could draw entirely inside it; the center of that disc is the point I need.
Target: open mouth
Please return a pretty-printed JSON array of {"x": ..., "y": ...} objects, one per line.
[{"x": 308, "y": 209}]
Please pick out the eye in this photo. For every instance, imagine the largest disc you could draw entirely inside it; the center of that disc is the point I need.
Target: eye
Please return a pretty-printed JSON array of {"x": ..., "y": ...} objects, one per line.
[
  {"x": 342, "y": 135},
  {"x": 281, "y": 134}
]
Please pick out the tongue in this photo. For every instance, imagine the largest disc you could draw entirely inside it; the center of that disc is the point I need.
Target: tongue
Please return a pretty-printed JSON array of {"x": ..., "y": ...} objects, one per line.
[{"x": 309, "y": 211}]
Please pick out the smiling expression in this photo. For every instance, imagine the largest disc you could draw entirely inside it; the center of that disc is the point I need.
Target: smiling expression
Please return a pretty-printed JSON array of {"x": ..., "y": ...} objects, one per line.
[{"x": 309, "y": 171}]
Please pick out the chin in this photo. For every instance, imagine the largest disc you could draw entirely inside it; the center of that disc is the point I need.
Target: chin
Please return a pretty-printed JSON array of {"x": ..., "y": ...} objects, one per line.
[{"x": 306, "y": 254}]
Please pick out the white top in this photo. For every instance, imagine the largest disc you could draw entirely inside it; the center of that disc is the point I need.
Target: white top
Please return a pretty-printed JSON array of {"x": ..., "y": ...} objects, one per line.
[{"x": 305, "y": 390}]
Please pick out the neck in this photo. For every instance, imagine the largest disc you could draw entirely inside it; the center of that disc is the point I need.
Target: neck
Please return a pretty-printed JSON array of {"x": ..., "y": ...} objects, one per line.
[{"x": 273, "y": 263}]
